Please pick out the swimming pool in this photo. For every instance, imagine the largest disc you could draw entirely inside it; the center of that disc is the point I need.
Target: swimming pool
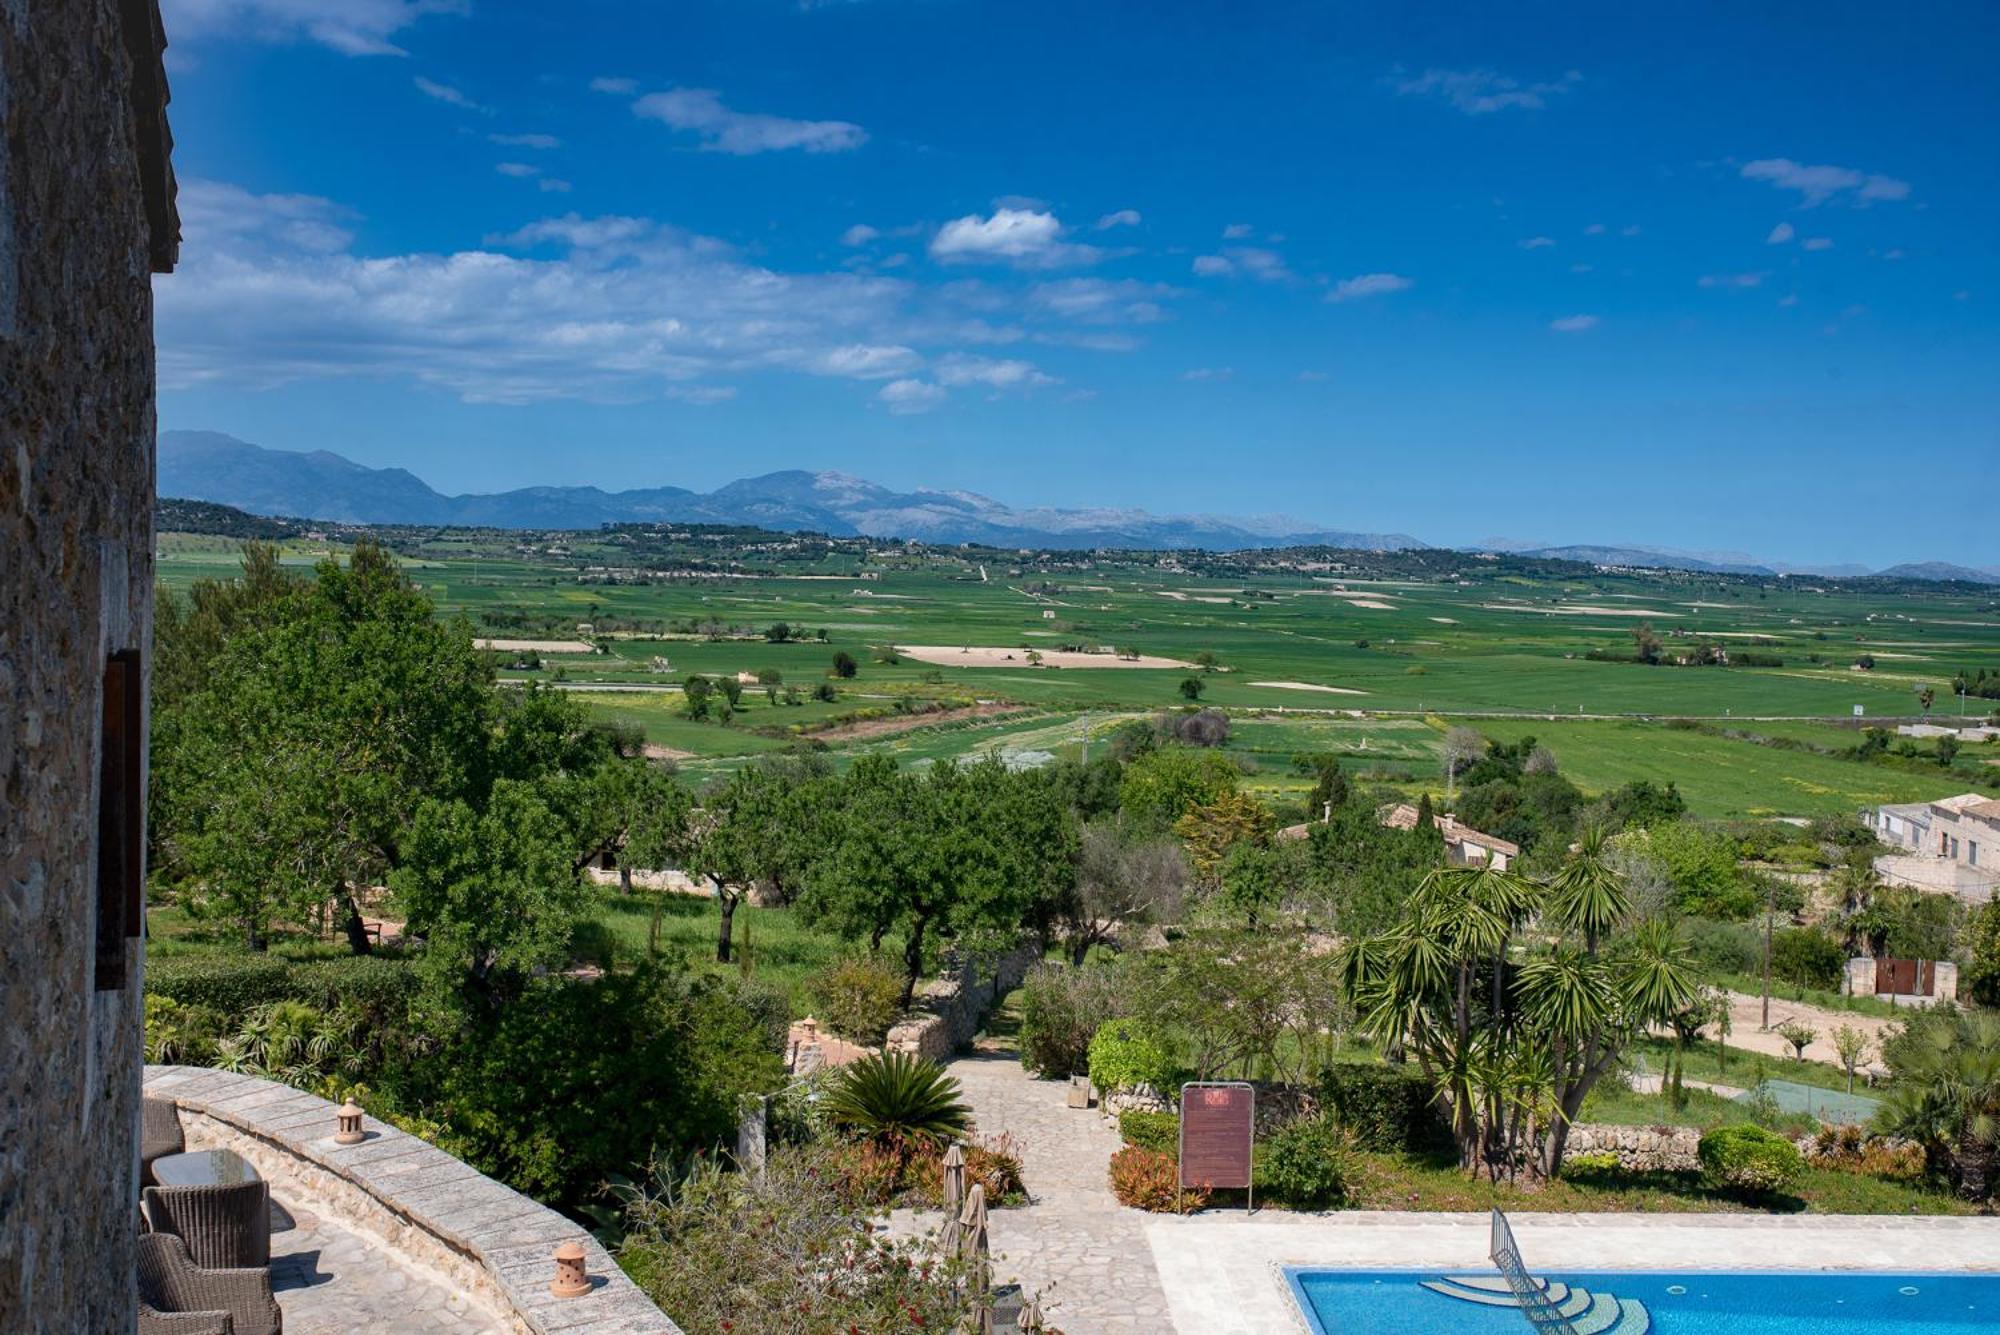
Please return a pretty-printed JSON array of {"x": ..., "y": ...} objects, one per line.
[{"x": 1354, "y": 1302}]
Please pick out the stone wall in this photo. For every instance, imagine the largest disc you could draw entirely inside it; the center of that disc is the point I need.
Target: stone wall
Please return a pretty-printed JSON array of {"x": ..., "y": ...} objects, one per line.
[
  {"x": 950, "y": 1009},
  {"x": 1644, "y": 1149},
  {"x": 425, "y": 1206},
  {"x": 76, "y": 503}
]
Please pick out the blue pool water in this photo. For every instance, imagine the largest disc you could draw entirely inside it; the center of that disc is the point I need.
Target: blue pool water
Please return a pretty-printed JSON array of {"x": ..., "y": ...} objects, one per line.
[{"x": 1354, "y": 1302}]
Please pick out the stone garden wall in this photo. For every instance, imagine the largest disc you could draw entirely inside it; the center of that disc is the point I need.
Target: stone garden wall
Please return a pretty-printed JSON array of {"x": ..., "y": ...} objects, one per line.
[
  {"x": 949, "y": 1010},
  {"x": 1643, "y": 1149}
]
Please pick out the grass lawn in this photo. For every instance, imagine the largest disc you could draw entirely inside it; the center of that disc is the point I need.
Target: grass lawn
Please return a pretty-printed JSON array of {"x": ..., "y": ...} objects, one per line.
[{"x": 1435, "y": 1184}]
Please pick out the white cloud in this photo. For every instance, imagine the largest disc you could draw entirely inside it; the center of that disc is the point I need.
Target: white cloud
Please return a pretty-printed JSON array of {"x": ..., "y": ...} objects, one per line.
[
  {"x": 859, "y": 235},
  {"x": 1236, "y": 232},
  {"x": 1209, "y": 373},
  {"x": 1789, "y": 299},
  {"x": 1025, "y": 238},
  {"x": 1369, "y": 285},
  {"x": 959, "y": 369},
  {"x": 911, "y": 396},
  {"x": 1631, "y": 229},
  {"x": 1818, "y": 243},
  {"x": 517, "y": 170},
  {"x": 229, "y": 217},
  {"x": 551, "y": 185},
  {"x": 444, "y": 92},
  {"x": 1311, "y": 377},
  {"x": 526, "y": 140},
  {"x": 1537, "y": 242},
  {"x": 1482, "y": 92},
  {"x": 616, "y": 87},
  {"x": 701, "y": 394},
  {"x": 1573, "y": 324},
  {"x": 1734, "y": 279},
  {"x": 1595, "y": 229},
  {"x": 1102, "y": 301},
  {"x": 1122, "y": 218},
  {"x": 1887, "y": 254},
  {"x": 1780, "y": 234},
  {"x": 1251, "y": 261},
  {"x": 700, "y": 110},
  {"x": 352, "y": 27},
  {"x": 1816, "y": 185},
  {"x": 1582, "y": 268}
]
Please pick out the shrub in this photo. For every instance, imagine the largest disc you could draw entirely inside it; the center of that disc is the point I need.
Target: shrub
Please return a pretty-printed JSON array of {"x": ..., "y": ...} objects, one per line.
[
  {"x": 860, "y": 998},
  {"x": 994, "y": 1164},
  {"x": 1723, "y": 947},
  {"x": 1125, "y": 1053},
  {"x": 1156, "y": 1131},
  {"x": 1307, "y": 1164},
  {"x": 725, "y": 1252},
  {"x": 1388, "y": 1108},
  {"x": 1595, "y": 1161},
  {"x": 770, "y": 1006},
  {"x": 1808, "y": 957},
  {"x": 177, "y": 1034},
  {"x": 891, "y": 1096},
  {"x": 1852, "y": 1149},
  {"x": 377, "y": 986},
  {"x": 1149, "y": 1180},
  {"x": 233, "y": 985},
  {"x": 1060, "y": 1009},
  {"x": 1749, "y": 1159}
]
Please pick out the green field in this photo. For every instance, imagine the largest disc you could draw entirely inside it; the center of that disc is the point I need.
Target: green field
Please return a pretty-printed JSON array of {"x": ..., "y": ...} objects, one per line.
[{"x": 1504, "y": 651}]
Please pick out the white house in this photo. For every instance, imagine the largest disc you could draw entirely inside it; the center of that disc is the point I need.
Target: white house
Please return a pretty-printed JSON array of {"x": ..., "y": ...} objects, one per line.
[{"x": 1951, "y": 845}]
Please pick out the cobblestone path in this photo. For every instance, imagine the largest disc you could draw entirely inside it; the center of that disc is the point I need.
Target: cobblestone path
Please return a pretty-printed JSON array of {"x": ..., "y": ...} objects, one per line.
[{"x": 1086, "y": 1254}]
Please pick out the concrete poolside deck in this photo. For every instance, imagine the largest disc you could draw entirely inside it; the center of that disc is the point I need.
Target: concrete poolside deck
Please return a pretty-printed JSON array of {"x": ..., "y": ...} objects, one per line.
[{"x": 1221, "y": 1272}]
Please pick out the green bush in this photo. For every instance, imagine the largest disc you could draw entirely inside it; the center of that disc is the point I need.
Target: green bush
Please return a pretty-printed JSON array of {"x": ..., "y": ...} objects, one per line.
[
  {"x": 1061, "y": 1008},
  {"x": 1749, "y": 1159},
  {"x": 375, "y": 985},
  {"x": 1307, "y": 1165},
  {"x": 860, "y": 998},
  {"x": 1808, "y": 957},
  {"x": 1156, "y": 1131},
  {"x": 1388, "y": 1108},
  {"x": 1124, "y": 1053},
  {"x": 896, "y": 1098},
  {"x": 232, "y": 985}
]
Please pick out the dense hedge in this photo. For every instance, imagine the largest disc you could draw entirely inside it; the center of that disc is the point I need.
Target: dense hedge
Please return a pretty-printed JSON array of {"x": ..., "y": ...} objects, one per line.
[
  {"x": 1156, "y": 1131},
  {"x": 234, "y": 985},
  {"x": 1386, "y": 1108},
  {"x": 1749, "y": 1159}
]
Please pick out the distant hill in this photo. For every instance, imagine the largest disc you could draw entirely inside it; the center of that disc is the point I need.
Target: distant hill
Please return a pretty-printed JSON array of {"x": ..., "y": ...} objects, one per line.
[
  {"x": 210, "y": 466},
  {"x": 1940, "y": 570}
]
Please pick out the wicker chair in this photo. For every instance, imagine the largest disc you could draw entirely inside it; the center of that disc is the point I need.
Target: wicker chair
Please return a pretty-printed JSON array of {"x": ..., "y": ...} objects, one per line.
[
  {"x": 224, "y": 1227},
  {"x": 177, "y": 1297},
  {"x": 159, "y": 1135}
]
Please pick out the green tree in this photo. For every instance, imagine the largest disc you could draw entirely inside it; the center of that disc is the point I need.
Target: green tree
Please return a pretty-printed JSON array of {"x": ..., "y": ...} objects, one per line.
[
  {"x": 1212, "y": 830},
  {"x": 966, "y": 851},
  {"x": 1162, "y": 784},
  {"x": 1191, "y": 688},
  {"x": 1513, "y": 1048},
  {"x": 1852, "y": 1046},
  {"x": 763, "y": 826},
  {"x": 844, "y": 665}
]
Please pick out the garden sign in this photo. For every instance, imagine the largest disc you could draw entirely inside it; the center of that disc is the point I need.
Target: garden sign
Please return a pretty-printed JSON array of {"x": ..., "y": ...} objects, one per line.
[{"x": 1218, "y": 1124}]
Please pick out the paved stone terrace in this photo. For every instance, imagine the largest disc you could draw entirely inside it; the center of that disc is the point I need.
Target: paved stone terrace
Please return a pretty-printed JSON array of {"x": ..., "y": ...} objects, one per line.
[
  {"x": 331, "y": 1280},
  {"x": 1073, "y": 1242},
  {"x": 445, "y": 1228}
]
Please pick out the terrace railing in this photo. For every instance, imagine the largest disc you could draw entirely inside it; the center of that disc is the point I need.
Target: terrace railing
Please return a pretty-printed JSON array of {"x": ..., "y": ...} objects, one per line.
[{"x": 1529, "y": 1292}]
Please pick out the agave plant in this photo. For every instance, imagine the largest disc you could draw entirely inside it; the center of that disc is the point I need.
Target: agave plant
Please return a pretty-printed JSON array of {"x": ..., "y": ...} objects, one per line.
[{"x": 893, "y": 1097}]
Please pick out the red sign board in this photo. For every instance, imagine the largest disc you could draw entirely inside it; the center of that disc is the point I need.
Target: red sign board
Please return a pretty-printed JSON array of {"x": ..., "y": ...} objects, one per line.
[{"x": 1218, "y": 1123}]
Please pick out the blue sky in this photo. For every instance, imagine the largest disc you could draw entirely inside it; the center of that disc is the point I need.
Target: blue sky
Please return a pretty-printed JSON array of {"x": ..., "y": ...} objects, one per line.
[{"x": 1710, "y": 277}]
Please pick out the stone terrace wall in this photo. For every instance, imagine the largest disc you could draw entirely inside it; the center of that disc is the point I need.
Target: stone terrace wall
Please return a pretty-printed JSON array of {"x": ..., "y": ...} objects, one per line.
[
  {"x": 1643, "y": 1149},
  {"x": 487, "y": 1239},
  {"x": 949, "y": 1010}
]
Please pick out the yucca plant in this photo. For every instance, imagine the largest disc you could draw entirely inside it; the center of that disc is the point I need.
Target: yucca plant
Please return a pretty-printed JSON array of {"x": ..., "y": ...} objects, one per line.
[{"x": 893, "y": 1097}]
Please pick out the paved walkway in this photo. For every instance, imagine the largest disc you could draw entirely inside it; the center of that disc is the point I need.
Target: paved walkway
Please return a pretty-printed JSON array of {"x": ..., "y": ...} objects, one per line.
[
  {"x": 331, "y": 1280},
  {"x": 1073, "y": 1243}
]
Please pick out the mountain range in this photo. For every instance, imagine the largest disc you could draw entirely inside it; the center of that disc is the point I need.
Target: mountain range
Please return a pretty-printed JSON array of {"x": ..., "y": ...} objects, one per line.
[{"x": 211, "y": 466}]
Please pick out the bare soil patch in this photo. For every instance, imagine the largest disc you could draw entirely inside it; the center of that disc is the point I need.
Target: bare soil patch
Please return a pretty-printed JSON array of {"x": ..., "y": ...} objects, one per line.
[
  {"x": 993, "y": 656},
  {"x": 1308, "y": 686},
  {"x": 536, "y": 646},
  {"x": 889, "y": 727}
]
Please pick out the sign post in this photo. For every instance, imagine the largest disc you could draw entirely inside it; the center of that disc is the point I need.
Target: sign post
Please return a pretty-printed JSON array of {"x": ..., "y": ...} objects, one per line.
[{"x": 1218, "y": 1126}]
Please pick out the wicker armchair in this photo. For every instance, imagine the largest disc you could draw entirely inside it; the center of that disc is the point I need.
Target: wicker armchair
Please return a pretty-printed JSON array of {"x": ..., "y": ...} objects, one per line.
[
  {"x": 159, "y": 1135},
  {"x": 177, "y": 1297},
  {"x": 224, "y": 1227}
]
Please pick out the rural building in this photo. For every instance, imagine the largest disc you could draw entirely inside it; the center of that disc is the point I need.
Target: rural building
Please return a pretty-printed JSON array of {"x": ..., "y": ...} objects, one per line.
[
  {"x": 87, "y": 217},
  {"x": 1951, "y": 845},
  {"x": 1463, "y": 845}
]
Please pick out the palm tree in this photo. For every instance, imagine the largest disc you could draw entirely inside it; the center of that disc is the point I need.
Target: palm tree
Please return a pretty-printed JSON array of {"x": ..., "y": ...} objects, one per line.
[
  {"x": 898, "y": 1099},
  {"x": 1946, "y": 1096}
]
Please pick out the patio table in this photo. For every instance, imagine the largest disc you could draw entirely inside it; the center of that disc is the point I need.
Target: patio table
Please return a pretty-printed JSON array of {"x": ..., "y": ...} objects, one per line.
[{"x": 203, "y": 1168}]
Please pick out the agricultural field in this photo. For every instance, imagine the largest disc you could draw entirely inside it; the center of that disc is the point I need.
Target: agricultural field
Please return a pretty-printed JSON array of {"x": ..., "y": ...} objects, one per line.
[{"x": 960, "y": 652}]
